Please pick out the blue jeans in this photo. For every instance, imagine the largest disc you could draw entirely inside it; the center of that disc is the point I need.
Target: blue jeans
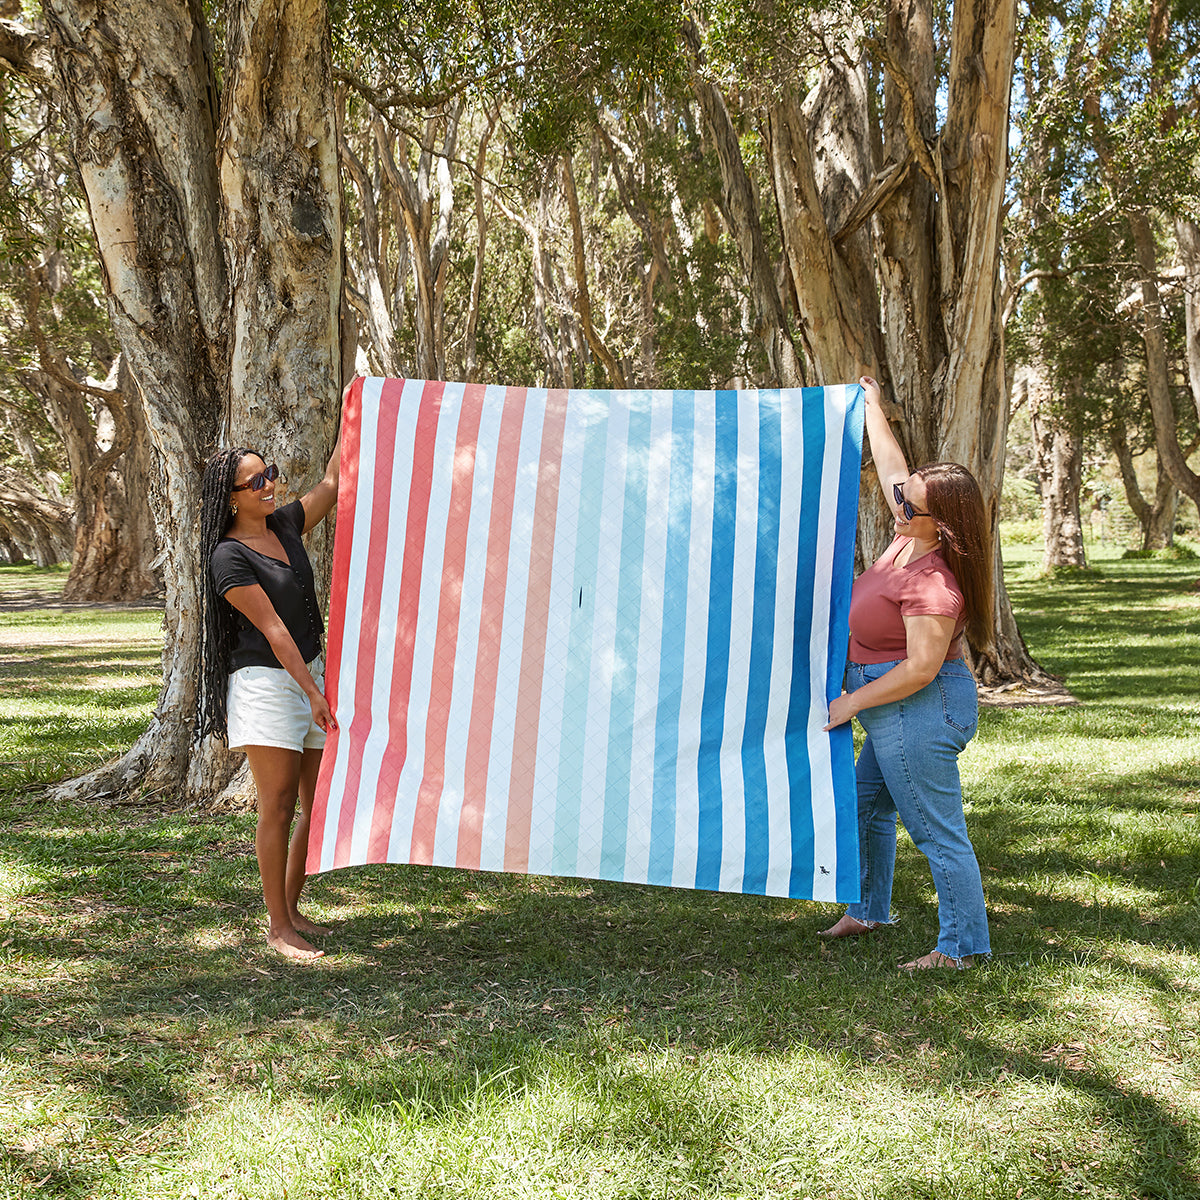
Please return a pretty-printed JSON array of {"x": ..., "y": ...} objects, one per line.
[{"x": 909, "y": 765}]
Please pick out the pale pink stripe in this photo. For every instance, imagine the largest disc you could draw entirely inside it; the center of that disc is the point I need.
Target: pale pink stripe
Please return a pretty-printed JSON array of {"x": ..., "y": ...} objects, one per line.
[
  {"x": 368, "y": 617},
  {"x": 483, "y": 702},
  {"x": 446, "y": 639},
  {"x": 533, "y": 650},
  {"x": 343, "y": 538},
  {"x": 421, "y": 484}
]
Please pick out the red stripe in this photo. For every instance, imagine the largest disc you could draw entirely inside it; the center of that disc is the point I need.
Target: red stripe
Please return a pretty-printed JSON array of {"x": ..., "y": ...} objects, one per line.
[
  {"x": 446, "y": 639},
  {"x": 383, "y": 455},
  {"x": 343, "y": 537},
  {"x": 408, "y": 602},
  {"x": 483, "y": 703},
  {"x": 533, "y": 651}
]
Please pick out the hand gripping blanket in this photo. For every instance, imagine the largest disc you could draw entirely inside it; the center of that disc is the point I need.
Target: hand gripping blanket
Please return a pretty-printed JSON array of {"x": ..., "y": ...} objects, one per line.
[{"x": 594, "y": 634}]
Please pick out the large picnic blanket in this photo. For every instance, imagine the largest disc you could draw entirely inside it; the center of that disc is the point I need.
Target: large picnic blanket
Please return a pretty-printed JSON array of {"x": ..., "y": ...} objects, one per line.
[{"x": 594, "y": 634}]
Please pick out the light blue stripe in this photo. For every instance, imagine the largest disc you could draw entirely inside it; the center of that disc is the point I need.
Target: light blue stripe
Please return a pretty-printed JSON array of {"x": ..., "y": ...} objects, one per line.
[
  {"x": 625, "y": 641},
  {"x": 841, "y": 747},
  {"x": 674, "y": 636},
  {"x": 720, "y": 620},
  {"x": 762, "y": 644},
  {"x": 579, "y": 642},
  {"x": 799, "y": 769}
]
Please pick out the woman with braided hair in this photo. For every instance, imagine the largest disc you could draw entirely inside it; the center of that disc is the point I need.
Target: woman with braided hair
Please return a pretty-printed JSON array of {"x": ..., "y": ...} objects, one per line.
[{"x": 262, "y": 681}]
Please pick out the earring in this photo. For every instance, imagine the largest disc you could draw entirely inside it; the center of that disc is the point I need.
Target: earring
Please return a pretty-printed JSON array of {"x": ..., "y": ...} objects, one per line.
[{"x": 233, "y": 509}]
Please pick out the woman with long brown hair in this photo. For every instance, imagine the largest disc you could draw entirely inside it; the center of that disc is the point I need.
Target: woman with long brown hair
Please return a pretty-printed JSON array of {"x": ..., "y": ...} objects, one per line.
[{"x": 914, "y": 695}]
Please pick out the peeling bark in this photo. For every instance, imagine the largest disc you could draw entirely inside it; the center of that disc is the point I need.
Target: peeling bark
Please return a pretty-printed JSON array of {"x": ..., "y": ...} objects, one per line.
[{"x": 191, "y": 310}]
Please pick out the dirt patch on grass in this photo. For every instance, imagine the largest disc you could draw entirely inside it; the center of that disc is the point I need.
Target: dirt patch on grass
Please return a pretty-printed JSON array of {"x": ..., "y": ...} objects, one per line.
[{"x": 1022, "y": 695}]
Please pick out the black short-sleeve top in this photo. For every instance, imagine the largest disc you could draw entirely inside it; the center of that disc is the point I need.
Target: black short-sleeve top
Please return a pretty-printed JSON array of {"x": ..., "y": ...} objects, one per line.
[{"x": 289, "y": 586}]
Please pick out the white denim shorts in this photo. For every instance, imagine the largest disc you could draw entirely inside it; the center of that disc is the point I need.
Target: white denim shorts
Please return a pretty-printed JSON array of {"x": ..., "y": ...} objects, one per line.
[{"x": 267, "y": 707}]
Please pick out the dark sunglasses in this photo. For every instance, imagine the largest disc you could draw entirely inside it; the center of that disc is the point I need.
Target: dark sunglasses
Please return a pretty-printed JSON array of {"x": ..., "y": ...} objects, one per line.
[
  {"x": 256, "y": 483},
  {"x": 905, "y": 507}
]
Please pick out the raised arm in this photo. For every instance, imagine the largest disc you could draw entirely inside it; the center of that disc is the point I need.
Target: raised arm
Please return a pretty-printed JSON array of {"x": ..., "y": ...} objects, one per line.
[
  {"x": 319, "y": 500},
  {"x": 890, "y": 464}
]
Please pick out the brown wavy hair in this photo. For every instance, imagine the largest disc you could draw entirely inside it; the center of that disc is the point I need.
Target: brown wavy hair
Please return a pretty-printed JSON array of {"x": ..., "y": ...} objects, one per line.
[{"x": 955, "y": 502}]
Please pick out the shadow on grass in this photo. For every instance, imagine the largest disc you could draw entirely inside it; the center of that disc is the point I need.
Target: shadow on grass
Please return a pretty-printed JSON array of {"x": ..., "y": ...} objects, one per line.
[{"x": 137, "y": 974}]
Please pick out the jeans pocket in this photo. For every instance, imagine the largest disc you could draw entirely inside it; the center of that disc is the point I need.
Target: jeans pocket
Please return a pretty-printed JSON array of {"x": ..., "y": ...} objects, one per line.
[{"x": 960, "y": 699}]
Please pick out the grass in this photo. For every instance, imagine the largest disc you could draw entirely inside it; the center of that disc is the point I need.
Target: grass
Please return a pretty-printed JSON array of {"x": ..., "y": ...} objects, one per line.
[{"x": 480, "y": 1035}]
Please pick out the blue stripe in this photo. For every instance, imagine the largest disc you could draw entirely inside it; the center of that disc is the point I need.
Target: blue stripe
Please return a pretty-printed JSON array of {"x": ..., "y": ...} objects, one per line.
[
  {"x": 625, "y": 641},
  {"x": 799, "y": 769},
  {"x": 720, "y": 621},
  {"x": 579, "y": 642},
  {"x": 841, "y": 746},
  {"x": 762, "y": 644},
  {"x": 674, "y": 633}
]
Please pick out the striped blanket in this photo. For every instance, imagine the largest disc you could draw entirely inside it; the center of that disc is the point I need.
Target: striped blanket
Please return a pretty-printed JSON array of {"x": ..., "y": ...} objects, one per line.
[{"x": 594, "y": 634}]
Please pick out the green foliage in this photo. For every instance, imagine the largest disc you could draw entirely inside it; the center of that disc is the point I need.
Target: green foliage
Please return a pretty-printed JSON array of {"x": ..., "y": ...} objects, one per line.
[
  {"x": 1019, "y": 500},
  {"x": 767, "y": 48},
  {"x": 42, "y": 221},
  {"x": 1176, "y": 552}
]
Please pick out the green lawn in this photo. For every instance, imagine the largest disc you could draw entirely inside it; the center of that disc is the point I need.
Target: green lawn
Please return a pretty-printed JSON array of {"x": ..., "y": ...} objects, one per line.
[{"x": 479, "y": 1035}]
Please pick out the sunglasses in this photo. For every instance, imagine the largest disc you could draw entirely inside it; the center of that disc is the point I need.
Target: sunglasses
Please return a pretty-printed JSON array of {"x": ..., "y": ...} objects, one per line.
[
  {"x": 905, "y": 506},
  {"x": 256, "y": 483}
]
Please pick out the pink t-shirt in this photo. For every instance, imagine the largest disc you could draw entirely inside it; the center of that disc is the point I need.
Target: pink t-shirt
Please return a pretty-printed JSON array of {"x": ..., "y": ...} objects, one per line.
[{"x": 884, "y": 594}]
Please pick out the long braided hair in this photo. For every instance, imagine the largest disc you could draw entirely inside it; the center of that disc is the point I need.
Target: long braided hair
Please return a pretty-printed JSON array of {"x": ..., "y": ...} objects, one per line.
[{"x": 217, "y": 624}]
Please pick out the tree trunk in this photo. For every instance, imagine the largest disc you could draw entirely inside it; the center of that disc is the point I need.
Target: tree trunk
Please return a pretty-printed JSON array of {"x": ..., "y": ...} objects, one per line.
[
  {"x": 146, "y": 159},
  {"x": 936, "y": 207},
  {"x": 1157, "y": 519},
  {"x": 32, "y": 527},
  {"x": 115, "y": 540},
  {"x": 428, "y": 239},
  {"x": 139, "y": 95},
  {"x": 558, "y": 368},
  {"x": 583, "y": 303},
  {"x": 1158, "y": 387},
  {"x": 373, "y": 267},
  {"x": 282, "y": 227},
  {"x": 742, "y": 209},
  {"x": 481, "y": 231},
  {"x": 1058, "y": 460},
  {"x": 103, "y": 431},
  {"x": 1187, "y": 237}
]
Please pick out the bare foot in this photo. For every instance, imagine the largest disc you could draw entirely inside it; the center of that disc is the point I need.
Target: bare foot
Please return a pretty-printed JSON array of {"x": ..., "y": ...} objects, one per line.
[
  {"x": 848, "y": 926},
  {"x": 291, "y": 945},
  {"x": 935, "y": 959},
  {"x": 301, "y": 924}
]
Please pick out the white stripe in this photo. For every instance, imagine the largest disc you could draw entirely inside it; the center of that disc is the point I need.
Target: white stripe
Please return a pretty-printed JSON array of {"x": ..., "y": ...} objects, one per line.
[
  {"x": 733, "y": 782},
  {"x": 512, "y": 637},
  {"x": 645, "y": 707},
  {"x": 824, "y": 817},
  {"x": 779, "y": 805},
  {"x": 603, "y": 646},
  {"x": 400, "y": 843},
  {"x": 687, "y": 804},
  {"x": 558, "y": 633}
]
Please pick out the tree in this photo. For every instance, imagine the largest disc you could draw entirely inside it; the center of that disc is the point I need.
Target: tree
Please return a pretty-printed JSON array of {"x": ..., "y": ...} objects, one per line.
[
  {"x": 54, "y": 336},
  {"x": 216, "y": 217},
  {"x": 1149, "y": 152},
  {"x": 889, "y": 224}
]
